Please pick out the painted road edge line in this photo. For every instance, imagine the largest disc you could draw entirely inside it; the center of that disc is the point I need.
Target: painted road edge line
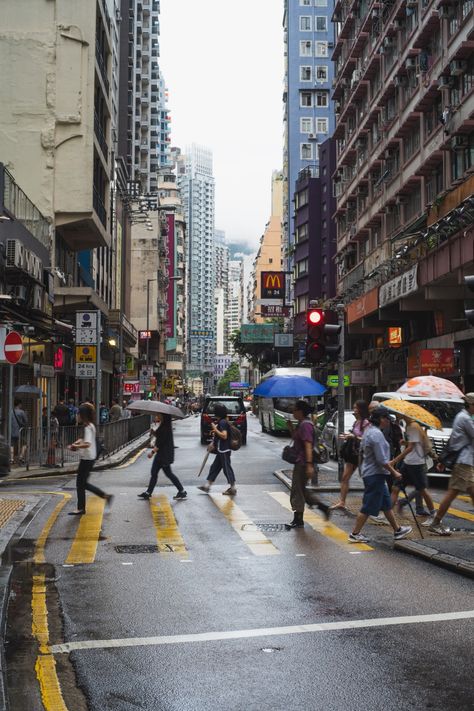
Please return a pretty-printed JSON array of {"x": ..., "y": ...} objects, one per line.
[{"x": 260, "y": 632}]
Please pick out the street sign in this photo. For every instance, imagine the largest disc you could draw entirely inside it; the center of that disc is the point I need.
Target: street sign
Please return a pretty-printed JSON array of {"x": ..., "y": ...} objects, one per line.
[
  {"x": 333, "y": 381},
  {"x": 274, "y": 310},
  {"x": 86, "y": 370},
  {"x": 86, "y": 361},
  {"x": 145, "y": 378},
  {"x": 283, "y": 340},
  {"x": 272, "y": 285},
  {"x": 257, "y": 332},
  {"x": 13, "y": 347},
  {"x": 86, "y": 327}
]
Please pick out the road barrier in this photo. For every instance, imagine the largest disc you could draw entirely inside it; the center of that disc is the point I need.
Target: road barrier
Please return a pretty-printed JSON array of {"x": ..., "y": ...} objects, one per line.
[{"x": 37, "y": 447}]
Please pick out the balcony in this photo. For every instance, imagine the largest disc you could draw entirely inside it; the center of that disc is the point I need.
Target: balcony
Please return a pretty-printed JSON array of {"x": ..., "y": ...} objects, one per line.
[
  {"x": 99, "y": 207},
  {"x": 118, "y": 320},
  {"x": 102, "y": 64},
  {"x": 100, "y": 135}
]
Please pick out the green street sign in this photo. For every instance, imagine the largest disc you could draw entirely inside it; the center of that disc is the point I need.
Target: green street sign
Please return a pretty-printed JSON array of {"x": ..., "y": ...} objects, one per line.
[{"x": 333, "y": 381}]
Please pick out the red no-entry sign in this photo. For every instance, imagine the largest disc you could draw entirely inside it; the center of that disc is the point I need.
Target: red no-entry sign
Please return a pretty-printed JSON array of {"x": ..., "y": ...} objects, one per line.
[{"x": 13, "y": 347}]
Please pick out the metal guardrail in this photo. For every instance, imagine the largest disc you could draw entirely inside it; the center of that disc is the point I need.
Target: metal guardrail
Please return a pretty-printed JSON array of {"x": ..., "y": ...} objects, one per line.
[{"x": 38, "y": 448}]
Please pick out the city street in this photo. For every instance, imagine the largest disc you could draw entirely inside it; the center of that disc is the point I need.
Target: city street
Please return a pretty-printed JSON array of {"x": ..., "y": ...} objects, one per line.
[{"x": 189, "y": 605}]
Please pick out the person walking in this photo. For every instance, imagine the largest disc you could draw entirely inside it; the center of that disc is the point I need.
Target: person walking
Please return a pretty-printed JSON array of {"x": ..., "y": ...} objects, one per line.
[
  {"x": 462, "y": 475},
  {"x": 375, "y": 466},
  {"x": 163, "y": 452},
  {"x": 115, "y": 412},
  {"x": 18, "y": 421},
  {"x": 221, "y": 448},
  {"x": 303, "y": 436},
  {"x": 414, "y": 469},
  {"x": 87, "y": 448},
  {"x": 350, "y": 450},
  {"x": 61, "y": 411}
]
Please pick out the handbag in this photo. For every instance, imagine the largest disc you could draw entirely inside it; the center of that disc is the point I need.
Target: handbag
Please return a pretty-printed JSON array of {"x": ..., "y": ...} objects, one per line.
[
  {"x": 289, "y": 454},
  {"x": 349, "y": 449}
]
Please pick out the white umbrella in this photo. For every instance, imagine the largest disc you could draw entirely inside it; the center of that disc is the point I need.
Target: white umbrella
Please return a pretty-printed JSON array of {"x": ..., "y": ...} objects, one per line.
[{"x": 153, "y": 406}]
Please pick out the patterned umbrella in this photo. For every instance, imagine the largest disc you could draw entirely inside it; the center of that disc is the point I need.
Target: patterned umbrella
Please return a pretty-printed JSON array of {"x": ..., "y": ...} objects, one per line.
[
  {"x": 430, "y": 386},
  {"x": 415, "y": 412}
]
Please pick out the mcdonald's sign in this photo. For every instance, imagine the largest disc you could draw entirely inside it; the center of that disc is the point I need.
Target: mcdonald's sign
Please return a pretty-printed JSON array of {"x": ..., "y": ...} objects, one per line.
[{"x": 273, "y": 285}]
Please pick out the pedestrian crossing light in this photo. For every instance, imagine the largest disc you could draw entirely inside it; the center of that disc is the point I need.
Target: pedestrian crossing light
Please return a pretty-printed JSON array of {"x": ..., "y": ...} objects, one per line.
[{"x": 322, "y": 342}]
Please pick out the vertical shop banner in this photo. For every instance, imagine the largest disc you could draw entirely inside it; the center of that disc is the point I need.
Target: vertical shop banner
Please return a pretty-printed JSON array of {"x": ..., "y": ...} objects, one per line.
[{"x": 170, "y": 296}]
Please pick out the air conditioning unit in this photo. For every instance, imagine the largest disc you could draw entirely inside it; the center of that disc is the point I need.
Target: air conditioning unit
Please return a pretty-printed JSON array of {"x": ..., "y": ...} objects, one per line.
[
  {"x": 375, "y": 13},
  {"x": 37, "y": 304},
  {"x": 410, "y": 63},
  {"x": 337, "y": 107},
  {"x": 457, "y": 66},
  {"x": 356, "y": 74},
  {"x": 15, "y": 254},
  {"x": 19, "y": 292},
  {"x": 311, "y": 136}
]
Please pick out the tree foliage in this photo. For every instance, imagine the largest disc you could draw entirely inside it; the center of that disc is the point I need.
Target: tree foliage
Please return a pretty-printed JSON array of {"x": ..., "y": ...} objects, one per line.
[{"x": 231, "y": 375}]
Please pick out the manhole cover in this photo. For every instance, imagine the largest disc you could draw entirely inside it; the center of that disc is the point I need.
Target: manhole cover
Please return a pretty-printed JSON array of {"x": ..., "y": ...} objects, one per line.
[{"x": 137, "y": 549}]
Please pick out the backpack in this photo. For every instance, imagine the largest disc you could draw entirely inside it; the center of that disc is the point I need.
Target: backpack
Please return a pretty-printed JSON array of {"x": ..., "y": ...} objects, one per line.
[{"x": 235, "y": 438}]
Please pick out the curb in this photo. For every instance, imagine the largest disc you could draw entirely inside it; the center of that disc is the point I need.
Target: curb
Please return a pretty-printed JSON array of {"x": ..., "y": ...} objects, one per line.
[
  {"x": 5, "y": 576},
  {"x": 432, "y": 555},
  {"x": 281, "y": 476},
  {"x": 71, "y": 468}
]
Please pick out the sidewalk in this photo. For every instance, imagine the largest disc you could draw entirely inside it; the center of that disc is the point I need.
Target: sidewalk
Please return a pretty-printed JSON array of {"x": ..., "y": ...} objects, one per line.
[
  {"x": 109, "y": 462},
  {"x": 455, "y": 552}
]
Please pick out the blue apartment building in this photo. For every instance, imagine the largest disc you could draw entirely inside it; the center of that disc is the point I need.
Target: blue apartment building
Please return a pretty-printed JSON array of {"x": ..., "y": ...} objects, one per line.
[{"x": 308, "y": 109}]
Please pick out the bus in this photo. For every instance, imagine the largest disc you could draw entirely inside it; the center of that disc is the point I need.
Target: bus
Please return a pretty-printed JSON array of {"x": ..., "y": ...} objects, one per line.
[{"x": 273, "y": 413}]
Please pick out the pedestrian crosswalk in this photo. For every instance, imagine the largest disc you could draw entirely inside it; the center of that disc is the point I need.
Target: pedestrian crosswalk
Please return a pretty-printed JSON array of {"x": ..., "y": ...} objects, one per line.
[{"x": 181, "y": 530}]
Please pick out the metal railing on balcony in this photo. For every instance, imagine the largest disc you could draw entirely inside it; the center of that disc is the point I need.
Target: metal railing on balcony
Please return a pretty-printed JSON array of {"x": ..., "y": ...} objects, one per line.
[
  {"x": 102, "y": 64},
  {"x": 99, "y": 207},
  {"x": 13, "y": 199},
  {"x": 100, "y": 135}
]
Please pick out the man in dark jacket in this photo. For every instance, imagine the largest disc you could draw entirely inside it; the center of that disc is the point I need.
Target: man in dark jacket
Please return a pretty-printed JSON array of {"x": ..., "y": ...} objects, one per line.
[{"x": 61, "y": 411}]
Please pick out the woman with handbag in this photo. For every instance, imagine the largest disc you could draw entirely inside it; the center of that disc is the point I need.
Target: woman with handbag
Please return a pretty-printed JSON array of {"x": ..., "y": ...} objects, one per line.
[
  {"x": 303, "y": 470},
  {"x": 349, "y": 450}
]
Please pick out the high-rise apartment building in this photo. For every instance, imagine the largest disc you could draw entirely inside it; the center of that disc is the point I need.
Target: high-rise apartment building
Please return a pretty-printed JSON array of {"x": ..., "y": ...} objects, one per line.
[
  {"x": 221, "y": 257},
  {"x": 235, "y": 300},
  {"x": 405, "y": 159},
  {"x": 196, "y": 182},
  {"x": 309, "y": 110}
]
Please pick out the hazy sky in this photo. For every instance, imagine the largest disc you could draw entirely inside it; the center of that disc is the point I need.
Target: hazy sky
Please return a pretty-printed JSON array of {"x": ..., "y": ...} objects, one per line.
[{"x": 223, "y": 65}]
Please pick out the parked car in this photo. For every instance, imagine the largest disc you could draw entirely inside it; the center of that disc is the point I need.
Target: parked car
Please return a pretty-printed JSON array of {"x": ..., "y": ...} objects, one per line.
[
  {"x": 237, "y": 415},
  {"x": 330, "y": 434}
]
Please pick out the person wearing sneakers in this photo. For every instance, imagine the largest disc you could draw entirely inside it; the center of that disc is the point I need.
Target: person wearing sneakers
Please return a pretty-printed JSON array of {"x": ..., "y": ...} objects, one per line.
[
  {"x": 462, "y": 475},
  {"x": 303, "y": 436},
  {"x": 163, "y": 452},
  {"x": 87, "y": 448},
  {"x": 374, "y": 470},
  {"x": 221, "y": 448}
]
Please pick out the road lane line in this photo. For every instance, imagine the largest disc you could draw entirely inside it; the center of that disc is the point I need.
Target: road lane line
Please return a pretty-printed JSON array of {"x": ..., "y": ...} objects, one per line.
[
  {"x": 45, "y": 666},
  {"x": 84, "y": 545},
  {"x": 457, "y": 512},
  {"x": 67, "y": 647},
  {"x": 41, "y": 540},
  {"x": 256, "y": 541},
  {"x": 132, "y": 460},
  {"x": 168, "y": 536},
  {"x": 327, "y": 529}
]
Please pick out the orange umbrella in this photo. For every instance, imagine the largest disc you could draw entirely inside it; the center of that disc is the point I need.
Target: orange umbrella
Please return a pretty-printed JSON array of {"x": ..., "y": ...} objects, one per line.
[{"x": 415, "y": 412}]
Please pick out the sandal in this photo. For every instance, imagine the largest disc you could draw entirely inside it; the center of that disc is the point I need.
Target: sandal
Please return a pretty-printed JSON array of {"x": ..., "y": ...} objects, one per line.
[{"x": 339, "y": 506}]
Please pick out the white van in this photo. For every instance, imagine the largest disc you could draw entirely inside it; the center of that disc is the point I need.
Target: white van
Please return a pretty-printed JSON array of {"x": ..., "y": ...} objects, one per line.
[{"x": 444, "y": 410}]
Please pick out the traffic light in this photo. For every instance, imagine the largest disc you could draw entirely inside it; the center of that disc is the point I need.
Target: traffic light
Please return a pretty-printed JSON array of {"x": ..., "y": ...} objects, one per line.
[
  {"x": 322, "y": 343},
  {"x": 469, "y": 305}
]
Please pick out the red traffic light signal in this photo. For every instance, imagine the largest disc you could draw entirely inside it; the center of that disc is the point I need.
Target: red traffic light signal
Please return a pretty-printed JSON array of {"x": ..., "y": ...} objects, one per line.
[
  {"x": 314, "y": 317},
  {"x": 322, "y": 342}
]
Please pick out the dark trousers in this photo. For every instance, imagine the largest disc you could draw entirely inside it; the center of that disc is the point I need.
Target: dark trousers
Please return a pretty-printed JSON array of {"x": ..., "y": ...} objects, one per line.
[
  {"x": 222, "y": 462},
  {"x": 155, "y": 468},
  {"x": 299, "y": 494},
  {"x": 83, "y": 473}
]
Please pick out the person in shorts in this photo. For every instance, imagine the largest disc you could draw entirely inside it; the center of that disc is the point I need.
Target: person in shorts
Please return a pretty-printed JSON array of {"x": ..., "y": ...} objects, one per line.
[
  {"x": 462, "y": 475},
  {"x": 374, "y": 470},
  {"x": 414, "y": 470}
]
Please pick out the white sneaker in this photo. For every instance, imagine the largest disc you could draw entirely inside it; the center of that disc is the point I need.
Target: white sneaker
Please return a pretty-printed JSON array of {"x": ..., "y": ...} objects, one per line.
[
  {"x": 428, "y": 522},
  {"x": 358, "y": 538},
  {"x": 205, "y": 488},
  {"x": 378, "y": 519},
  {"x": 402, "y": 532}
]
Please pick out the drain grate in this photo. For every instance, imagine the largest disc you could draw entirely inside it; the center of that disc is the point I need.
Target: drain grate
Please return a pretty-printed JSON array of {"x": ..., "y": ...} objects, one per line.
[
  {"x": 269, "y": 527},
  {"x": 137, "y": 549}
]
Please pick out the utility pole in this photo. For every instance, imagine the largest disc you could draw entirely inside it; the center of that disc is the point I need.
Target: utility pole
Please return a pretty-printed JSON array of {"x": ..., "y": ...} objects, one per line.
[
  {"x": 98, "y": 381},
  {"x": 340, "y": 385}
]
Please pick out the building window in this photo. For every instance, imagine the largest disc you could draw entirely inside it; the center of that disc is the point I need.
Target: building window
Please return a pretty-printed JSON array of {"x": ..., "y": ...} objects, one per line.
[
  {"x": 302, "y": 303},
  {"x": 305, "y": 23},
  {"x": 306, "y": 99},
  {"x": 321, "y": 3},
  {"x": 302, "y": 267},
  {"x": 322, "y": 99},
  {"x": 306, "y": 73},
  {"x": 306, "y": 125},
  {"x": 321, "y": 49},
  {"x": 306, "y": 48},
  {"x": 306, "y": 151},
  {"x": 322, "y": 125},
  {"x": 321, "y": 72},
  {"x": 302, "y": 233},
  {"x": 321, "y": 24},
  {"x": 305, "y": 3}
]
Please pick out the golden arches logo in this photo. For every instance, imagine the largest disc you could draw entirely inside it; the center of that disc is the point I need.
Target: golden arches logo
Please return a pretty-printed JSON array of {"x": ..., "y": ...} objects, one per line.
[{"x": 273, "y": 281}]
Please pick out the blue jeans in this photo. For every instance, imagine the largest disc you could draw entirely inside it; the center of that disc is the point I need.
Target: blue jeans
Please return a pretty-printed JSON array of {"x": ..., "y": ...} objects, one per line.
[{"x": 222, "y": 461}]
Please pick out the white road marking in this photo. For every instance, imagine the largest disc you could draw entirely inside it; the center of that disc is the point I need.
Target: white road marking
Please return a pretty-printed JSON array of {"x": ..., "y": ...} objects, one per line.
[
  {"x": 68, "y": 565},
  {"x": 185, "y": 561},
  {"x": 300, "y": 555},
  {"x": 259, "y": 632},
  {"x": 127, "y": 563}
]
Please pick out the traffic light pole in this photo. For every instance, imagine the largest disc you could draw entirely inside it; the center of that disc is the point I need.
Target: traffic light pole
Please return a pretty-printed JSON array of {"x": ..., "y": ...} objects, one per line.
[{"x": 340, "y": 387}]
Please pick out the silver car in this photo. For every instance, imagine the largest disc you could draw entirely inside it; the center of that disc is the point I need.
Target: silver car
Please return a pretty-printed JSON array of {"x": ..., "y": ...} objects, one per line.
[{"x": 330, "y": 435}]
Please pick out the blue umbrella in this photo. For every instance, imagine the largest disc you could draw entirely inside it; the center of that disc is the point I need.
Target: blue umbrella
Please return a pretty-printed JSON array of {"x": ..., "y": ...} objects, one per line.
[{"x": 289, "y": 386}]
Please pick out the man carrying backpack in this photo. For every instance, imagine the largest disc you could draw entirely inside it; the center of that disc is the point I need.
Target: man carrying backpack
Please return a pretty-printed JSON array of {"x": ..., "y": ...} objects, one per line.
[
  {"x": 221, "y": 447},
  {"x": 462, "y": 476}
]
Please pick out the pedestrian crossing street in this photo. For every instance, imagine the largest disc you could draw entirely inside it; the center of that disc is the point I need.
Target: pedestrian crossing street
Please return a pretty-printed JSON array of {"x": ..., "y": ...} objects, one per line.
[{"x": 184, "y": 529}]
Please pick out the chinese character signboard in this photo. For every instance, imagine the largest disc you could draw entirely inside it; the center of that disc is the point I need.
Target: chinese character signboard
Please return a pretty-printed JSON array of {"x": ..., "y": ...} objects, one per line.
[
  {"x": 395, "y": 338},
  {"x": 207, "y": 335},
  {"x": 86, "y": 361},
  {"x": 274, "y": 310},
  {"x": 398, "y": 288},
  {"x": 437, "y": 361},
  {"x": 272, "y": 285},
  {"x": 86, "y": 327},
  {"x": 257, "y": 333}
]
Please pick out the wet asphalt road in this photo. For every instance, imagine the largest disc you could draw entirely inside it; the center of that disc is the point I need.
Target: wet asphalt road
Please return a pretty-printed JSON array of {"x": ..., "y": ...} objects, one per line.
[{"x": 225, "y": 580}]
